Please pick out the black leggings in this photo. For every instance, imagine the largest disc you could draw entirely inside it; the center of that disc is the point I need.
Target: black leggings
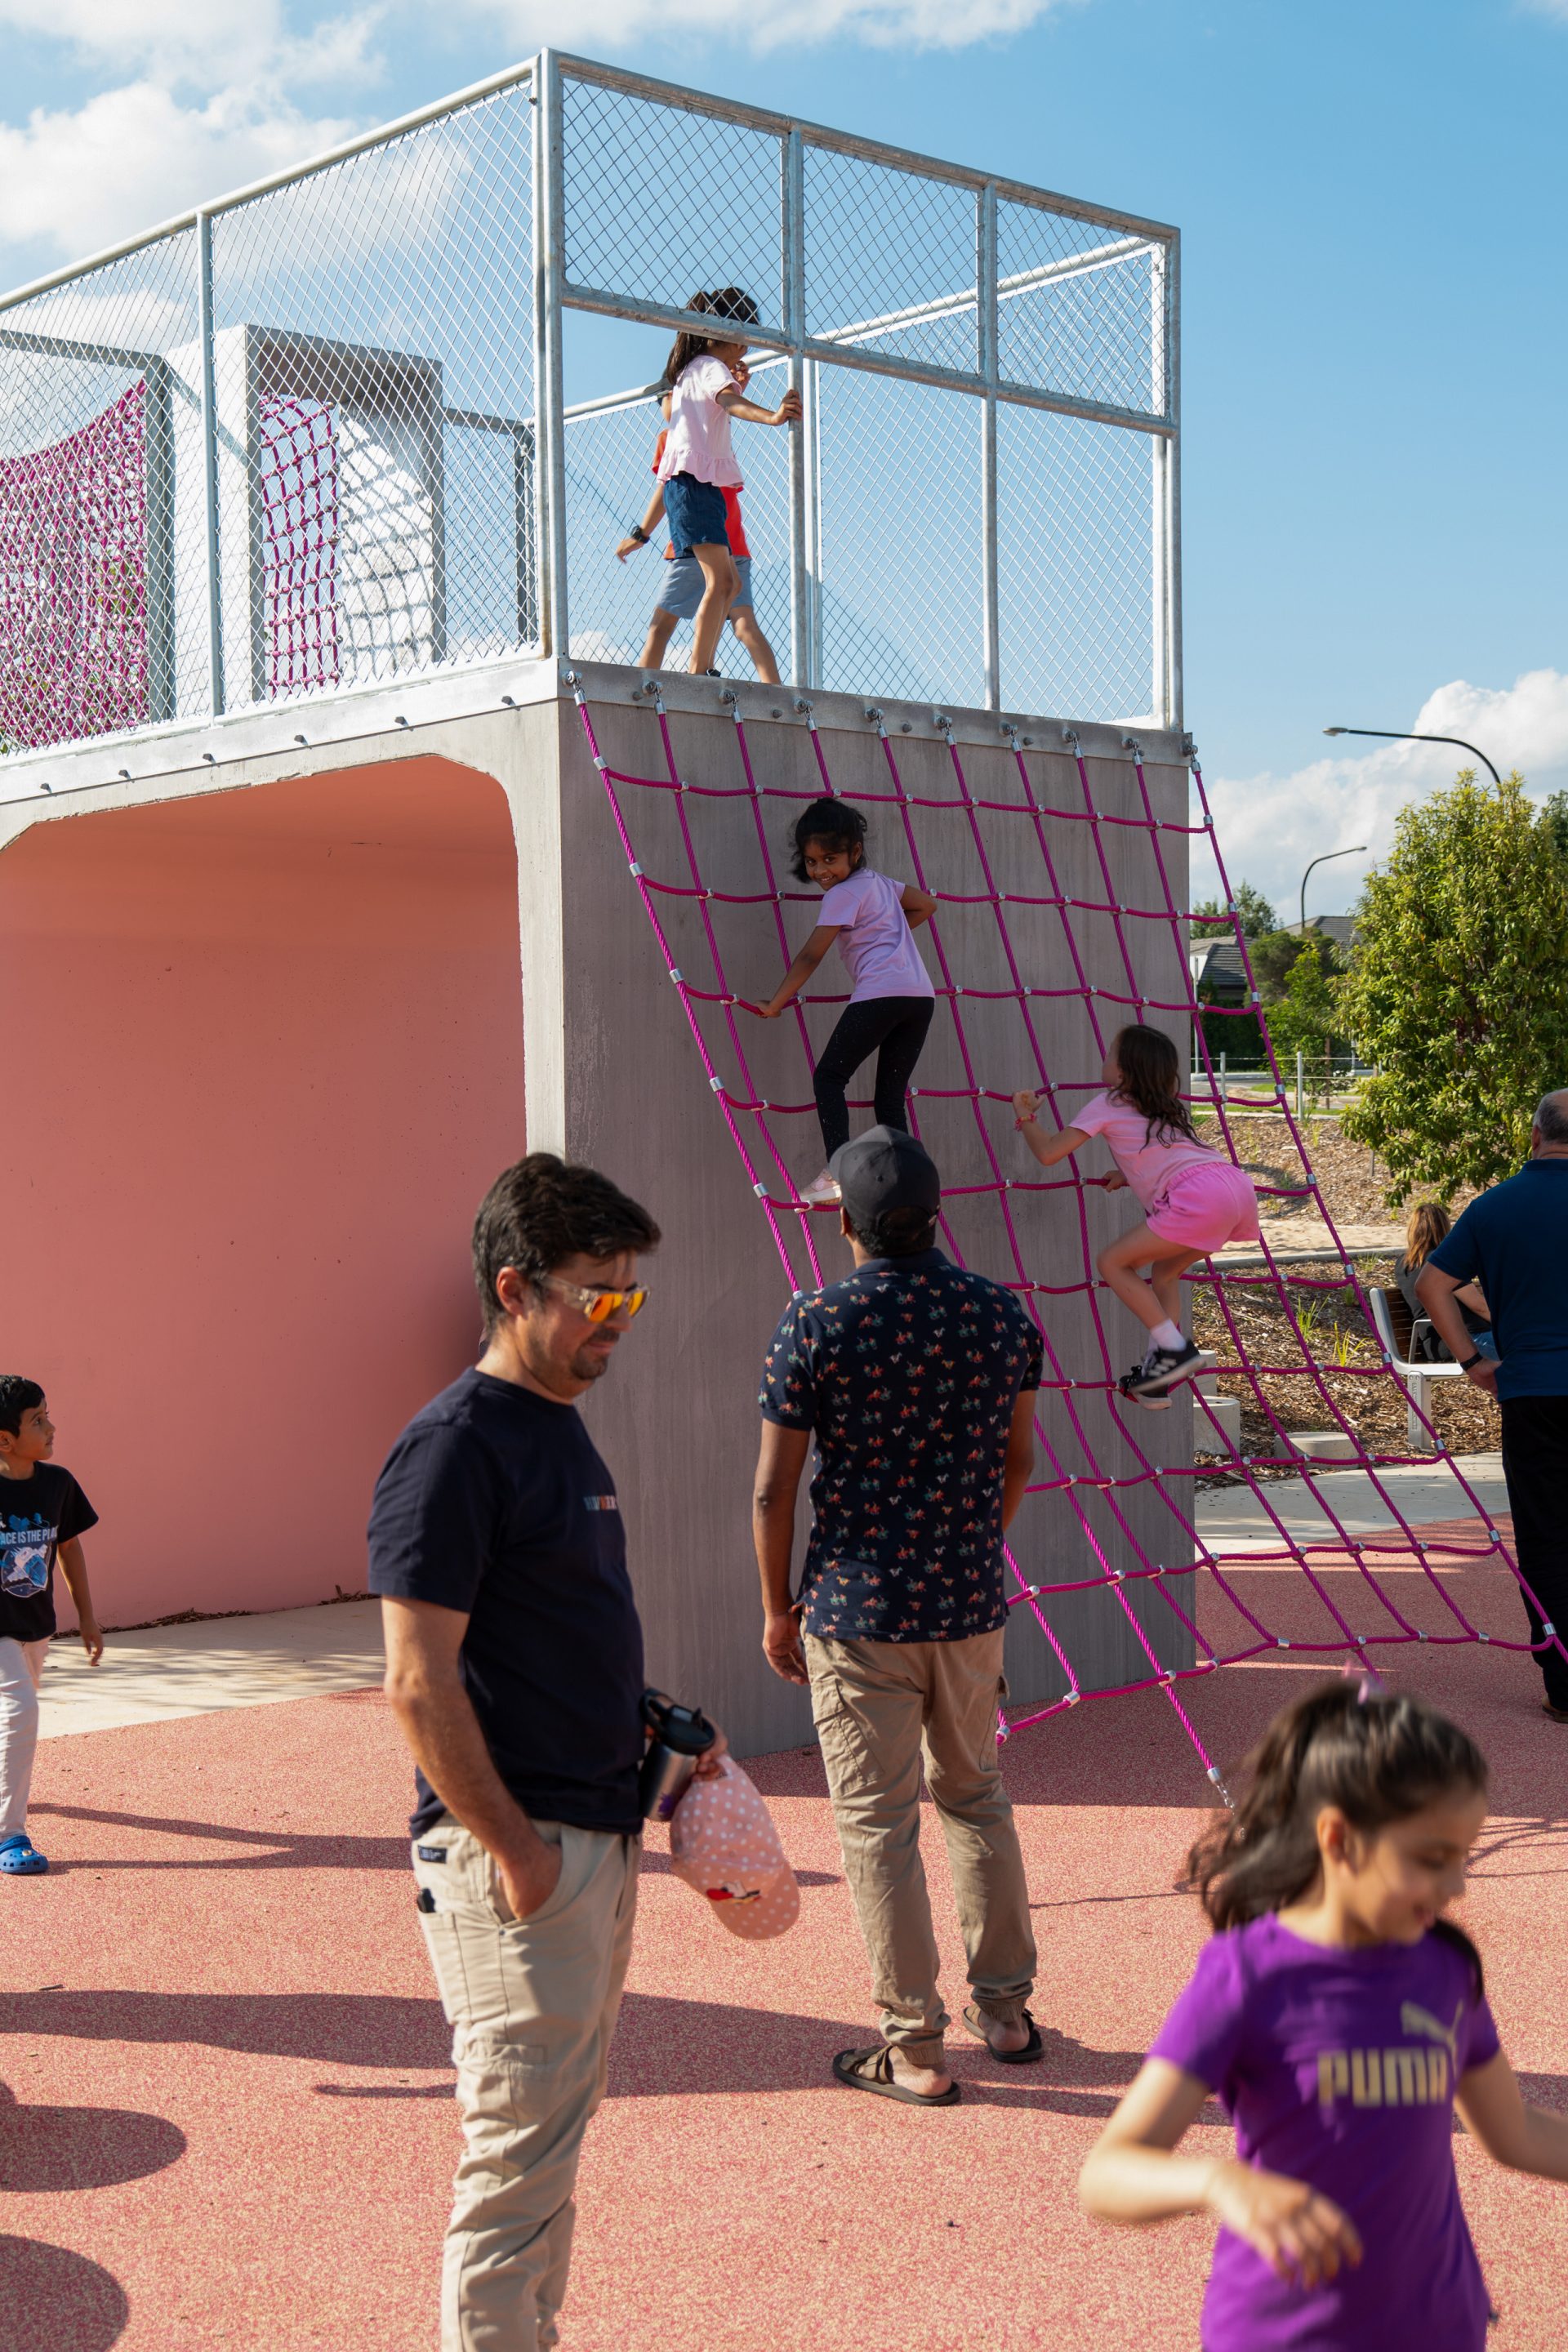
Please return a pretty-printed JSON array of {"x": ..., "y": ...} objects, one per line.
[{"x": 898, "y": 1025}]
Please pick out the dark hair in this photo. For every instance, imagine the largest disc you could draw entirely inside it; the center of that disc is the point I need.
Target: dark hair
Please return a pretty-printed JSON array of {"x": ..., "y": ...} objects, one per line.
[
  {"x": 724, "y": 302},
  {"x": 898, "y": 1233},
  {"x": 1150, "y": 1081},
  {"x": 17, "y": 1396},
  {"x": 1429, "y": 1222},
  {"x": 545, "y": 1210},
  {"x": 835, "y": 823},
  {"x": 1378, "y": 1757}
]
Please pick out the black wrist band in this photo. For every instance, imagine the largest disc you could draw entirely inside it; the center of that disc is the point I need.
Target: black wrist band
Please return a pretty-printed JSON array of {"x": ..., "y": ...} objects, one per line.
[
  {"x": 638, "y": 532},
  {"x": 1476, "y": 1359}
]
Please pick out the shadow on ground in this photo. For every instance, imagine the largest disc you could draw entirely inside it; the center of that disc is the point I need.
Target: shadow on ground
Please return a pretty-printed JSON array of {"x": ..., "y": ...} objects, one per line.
[
  {"x": 56, "y": 2301},
  {"x": 81, "y": 2147}
]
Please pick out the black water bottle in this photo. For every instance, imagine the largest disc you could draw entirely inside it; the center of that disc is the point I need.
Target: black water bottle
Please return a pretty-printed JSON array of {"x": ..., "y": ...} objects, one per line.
[{"x": 678, "y": 1736}]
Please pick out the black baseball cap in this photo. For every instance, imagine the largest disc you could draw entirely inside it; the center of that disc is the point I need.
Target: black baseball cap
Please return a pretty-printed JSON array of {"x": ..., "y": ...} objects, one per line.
[{"x": 884, "y": 1169}]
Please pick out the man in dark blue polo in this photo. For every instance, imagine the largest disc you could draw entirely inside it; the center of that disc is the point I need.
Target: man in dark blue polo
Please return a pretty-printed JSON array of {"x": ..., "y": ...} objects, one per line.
[
  {"x": 918, "y": 1381},
  {"x": 1513, "y": 1240}
]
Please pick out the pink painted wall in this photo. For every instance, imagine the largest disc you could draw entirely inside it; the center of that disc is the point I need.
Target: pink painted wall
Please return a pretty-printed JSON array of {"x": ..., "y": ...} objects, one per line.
[{"x": 266, "y": 1055}]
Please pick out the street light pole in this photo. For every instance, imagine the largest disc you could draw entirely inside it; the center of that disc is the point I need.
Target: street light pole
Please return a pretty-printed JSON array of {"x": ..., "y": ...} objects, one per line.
[
  {"x": 1400, "y": 735},
  {"x": 1357, "y": 849}
]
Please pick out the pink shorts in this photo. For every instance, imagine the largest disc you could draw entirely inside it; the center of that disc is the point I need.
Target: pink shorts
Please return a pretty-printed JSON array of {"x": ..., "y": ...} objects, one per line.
[{"x": 1202, "y": 1207}]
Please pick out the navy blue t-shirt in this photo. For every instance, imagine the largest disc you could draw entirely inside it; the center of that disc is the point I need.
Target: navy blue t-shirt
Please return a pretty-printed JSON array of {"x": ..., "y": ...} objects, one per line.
[
  {"x": 1513, "y": 1240},
  {"x": 908, "y": 1372},
  {"x": 36, "y": 1516},
  {"x": 495, "y": 1501}
]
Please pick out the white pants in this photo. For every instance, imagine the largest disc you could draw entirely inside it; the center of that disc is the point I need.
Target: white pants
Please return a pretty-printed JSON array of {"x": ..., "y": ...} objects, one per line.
[{"x": 21, "y": 1670}]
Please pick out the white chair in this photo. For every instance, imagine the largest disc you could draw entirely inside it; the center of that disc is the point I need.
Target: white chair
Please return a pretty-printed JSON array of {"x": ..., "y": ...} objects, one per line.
[{"x": 1397, "y": 1331}]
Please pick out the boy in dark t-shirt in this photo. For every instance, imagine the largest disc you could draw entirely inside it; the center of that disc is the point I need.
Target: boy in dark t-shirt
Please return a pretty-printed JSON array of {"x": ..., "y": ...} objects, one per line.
[{"x": 43, "y": 1516}]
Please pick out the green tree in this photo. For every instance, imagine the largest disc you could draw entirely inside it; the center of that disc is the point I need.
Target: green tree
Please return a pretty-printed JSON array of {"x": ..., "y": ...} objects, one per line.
[
  {"x": 1253, "y": 912},
  {"x": 1305, "y": 1017},
  {"x": 1555, "y": 812},
  {"x": 1459, "y": 986}
]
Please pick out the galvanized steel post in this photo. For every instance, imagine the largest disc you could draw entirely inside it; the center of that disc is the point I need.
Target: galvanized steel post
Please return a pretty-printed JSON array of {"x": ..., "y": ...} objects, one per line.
[
  {"x": 792, "y": 169},
  {"x": 549, "y": 273},
  {"x": 205, "y": 334},
  {"x": 986, "y": 322}
]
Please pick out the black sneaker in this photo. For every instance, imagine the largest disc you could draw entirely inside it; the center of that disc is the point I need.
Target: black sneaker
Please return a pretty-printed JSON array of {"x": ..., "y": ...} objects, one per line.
[
  {"x": 1166, "y": 1366},
  {"x": 1149, "y": 1403}
]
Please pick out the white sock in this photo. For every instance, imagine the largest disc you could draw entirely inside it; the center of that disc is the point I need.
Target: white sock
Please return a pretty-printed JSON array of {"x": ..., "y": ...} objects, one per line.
[{"x": 1168, "y": 1335}]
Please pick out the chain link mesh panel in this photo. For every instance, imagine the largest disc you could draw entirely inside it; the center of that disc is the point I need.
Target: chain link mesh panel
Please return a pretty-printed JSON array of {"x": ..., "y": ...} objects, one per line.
[
  {"x": 1079, "y": 309},
  {"x": 375, "y": 400},
  {"x": 898, "y": 538},
  {"x": 1077, "y": 552},
  {"x": 660, "y": 200},
  {"x": 100, "y": 484},
  {"x": 890, "y": 260}
]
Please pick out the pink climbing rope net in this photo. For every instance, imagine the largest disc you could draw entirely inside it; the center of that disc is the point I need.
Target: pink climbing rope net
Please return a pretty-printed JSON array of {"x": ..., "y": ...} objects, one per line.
[
  {"x": 73, "y": 582},
  {"x": 1120, "y": 1562},
  {"x": 296, "y": 478}
]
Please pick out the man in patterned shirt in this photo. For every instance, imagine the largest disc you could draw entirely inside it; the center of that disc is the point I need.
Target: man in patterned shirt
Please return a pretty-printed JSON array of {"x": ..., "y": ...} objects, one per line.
[{"x": 918, "y": 1381}]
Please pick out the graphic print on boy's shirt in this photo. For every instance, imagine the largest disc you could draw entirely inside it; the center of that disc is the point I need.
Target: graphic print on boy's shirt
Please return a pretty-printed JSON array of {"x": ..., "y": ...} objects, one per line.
[{"x": 36, "y": 1516}]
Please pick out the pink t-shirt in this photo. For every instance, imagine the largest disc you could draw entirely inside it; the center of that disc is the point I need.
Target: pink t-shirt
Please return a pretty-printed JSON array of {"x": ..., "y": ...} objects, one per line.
[
  {"x": 699, "y": 440},
  {"x": 1147, "y": 1166},
  {"x": 875, "y": 940}
]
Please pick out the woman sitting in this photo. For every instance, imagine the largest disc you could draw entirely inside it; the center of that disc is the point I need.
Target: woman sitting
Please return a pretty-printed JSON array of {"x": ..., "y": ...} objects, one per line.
[{"x": 1429, "y": 1221}]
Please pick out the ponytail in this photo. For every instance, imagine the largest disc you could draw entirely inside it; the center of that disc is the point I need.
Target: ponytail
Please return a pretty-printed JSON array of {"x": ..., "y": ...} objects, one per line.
[
  {"x": 724, "y": 302},
  {"x": 1377, "y": 1757}
]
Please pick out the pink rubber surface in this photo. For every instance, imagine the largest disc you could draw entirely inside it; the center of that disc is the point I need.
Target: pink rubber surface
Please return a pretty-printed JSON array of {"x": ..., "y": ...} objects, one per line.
[{"x": 230, "y": 2125}]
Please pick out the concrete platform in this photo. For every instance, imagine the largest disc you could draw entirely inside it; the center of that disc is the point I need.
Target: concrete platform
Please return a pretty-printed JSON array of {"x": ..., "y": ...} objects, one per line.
[
  {"x": 1235, "y": 1520},
  {"x": 165, "y": 1671}
]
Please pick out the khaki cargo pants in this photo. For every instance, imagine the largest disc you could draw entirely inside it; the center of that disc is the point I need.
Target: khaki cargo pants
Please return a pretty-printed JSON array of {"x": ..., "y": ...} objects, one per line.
[
  {"x": 881, "y": 1708},
  {"x": 532, "y": 2005}
]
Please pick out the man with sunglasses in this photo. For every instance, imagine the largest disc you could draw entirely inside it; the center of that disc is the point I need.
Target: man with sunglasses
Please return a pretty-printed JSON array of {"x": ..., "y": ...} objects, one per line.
[{"x": 514, "y": 1663}]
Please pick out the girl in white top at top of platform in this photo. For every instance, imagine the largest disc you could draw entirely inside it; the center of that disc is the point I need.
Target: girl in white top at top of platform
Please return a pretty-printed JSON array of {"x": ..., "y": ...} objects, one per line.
[
  {"x": 890, "y": 999},
  {"x": 1195, "y": 1200},
  {"x": 699, "y": 460}
]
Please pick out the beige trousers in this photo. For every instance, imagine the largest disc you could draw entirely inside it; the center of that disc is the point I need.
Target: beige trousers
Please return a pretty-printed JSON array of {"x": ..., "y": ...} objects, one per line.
[
  {"x": 881, "y": 1708},
  {"x": 532, "y": 2005}
]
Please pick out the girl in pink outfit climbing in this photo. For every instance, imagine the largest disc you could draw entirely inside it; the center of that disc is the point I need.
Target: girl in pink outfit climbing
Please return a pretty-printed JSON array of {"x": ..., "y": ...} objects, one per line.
[
  {"x": 1194, "y": 1200},
  {"x": 892, "y": 998},
  {"x": 1340, "y": 2018},
  {"x": 699, "y": 461}
]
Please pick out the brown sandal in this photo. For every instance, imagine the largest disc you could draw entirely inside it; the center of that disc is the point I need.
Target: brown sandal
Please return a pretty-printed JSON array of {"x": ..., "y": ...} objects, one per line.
[
  {"x": 1029, "y": 2055},
  {"x": 873, "y": 2070}
]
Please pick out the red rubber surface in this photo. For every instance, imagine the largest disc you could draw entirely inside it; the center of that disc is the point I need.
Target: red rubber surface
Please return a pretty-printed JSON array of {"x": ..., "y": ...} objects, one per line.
[{"x": 230, "y": 2126}]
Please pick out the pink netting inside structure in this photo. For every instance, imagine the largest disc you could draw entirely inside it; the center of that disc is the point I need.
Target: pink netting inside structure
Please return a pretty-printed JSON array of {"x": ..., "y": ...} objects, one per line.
[
  {"x": 1341, "y": 1594},
  {"x": 73, "y": 582},
  {"x": 297, "y": 479}
]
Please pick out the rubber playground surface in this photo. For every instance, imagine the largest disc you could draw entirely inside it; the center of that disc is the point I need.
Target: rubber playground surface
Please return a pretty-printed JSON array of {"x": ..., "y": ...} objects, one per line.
[{"x": 225, "y": 2116}]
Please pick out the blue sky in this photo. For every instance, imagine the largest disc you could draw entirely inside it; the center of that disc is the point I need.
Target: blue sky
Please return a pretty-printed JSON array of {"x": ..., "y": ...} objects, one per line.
[{"x": 1370, "y": 198}]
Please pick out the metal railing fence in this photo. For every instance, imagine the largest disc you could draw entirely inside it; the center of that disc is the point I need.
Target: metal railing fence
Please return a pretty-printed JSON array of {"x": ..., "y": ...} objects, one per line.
[{"x": 314, "y": 435}]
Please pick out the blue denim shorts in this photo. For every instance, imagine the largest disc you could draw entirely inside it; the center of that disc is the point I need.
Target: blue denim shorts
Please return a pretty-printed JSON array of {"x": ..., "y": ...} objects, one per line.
[
  {"x": 683, "y": 583},
  {"x": 695, "y": 513}
]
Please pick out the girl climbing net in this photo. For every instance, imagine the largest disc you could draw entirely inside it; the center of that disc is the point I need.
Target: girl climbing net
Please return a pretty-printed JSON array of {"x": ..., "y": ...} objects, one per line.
[
  {"x": 892, "y": 1000},
  {"x": 1195, "y": 1200},
  {"x": 1339, "y": 2016}
]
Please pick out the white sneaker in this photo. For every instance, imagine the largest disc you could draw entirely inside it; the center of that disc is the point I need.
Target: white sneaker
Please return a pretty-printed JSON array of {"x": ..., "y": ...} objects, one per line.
[{"x": 822, "y": 1192}]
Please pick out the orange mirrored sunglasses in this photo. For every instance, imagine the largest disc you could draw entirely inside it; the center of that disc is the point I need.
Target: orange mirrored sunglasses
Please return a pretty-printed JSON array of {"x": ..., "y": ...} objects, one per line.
[{"x": 598, "y": 1306}]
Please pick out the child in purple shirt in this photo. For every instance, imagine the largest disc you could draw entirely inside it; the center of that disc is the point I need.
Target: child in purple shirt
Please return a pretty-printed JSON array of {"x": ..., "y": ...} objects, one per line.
[{"x": 1338, "y": 2017}]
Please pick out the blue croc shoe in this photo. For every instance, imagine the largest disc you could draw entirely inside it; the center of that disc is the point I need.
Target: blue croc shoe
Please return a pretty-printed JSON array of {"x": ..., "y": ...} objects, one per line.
[{"x": 19, "y": 1857}]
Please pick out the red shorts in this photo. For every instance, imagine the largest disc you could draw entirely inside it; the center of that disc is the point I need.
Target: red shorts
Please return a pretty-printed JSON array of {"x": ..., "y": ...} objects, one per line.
[{"x": 1204, "y": 1206}]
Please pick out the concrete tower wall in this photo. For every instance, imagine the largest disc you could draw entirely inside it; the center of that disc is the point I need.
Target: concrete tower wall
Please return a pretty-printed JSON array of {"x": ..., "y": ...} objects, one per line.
[{"x": 279, "y": 1058}]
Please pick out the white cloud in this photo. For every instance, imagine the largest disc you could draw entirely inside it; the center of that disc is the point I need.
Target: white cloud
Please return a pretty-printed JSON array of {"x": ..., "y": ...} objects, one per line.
[
  {"x": 1269, "y": 826},
  {"x": 880, "y": 24},
  {"x": 130, "y": 157}
]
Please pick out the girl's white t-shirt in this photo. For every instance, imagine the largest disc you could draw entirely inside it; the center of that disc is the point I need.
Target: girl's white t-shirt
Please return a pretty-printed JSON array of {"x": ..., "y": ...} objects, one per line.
[
  {"x": 1147, "y": 1166},
  {"x": 875, "y": 940},
  {"x": 697, "y": 441}
]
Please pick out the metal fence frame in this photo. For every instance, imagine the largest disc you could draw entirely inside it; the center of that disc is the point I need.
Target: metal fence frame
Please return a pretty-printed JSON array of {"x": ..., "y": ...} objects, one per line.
[{"x": 540, "y": 447}]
